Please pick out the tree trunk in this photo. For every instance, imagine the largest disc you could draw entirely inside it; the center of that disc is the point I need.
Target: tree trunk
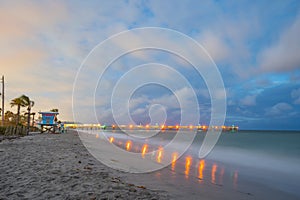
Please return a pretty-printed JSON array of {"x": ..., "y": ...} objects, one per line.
[
  {"x": 28, "y": 120},
  {"x": 18, "y": 115}
]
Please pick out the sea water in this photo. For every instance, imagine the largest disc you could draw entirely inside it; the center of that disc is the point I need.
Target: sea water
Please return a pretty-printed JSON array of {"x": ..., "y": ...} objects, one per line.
[
  {"x": 269, "y": 161},
  {"x": 271, "y": 158}
]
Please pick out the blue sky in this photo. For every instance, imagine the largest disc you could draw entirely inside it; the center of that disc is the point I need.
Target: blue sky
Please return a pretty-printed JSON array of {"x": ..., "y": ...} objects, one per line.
[{"x": 255, "y": 45}]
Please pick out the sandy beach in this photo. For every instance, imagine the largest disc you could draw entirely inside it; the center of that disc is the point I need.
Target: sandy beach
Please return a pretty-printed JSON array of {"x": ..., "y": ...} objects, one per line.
[{"x": 57, "y": 166}]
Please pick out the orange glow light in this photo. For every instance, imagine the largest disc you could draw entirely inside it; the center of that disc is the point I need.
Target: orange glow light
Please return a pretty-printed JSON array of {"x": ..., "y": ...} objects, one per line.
[
  {"x": 144, "y": 150},
  {"x": 188, "y": 162},
  {"x": 97, "y": 136},
  {"x": 159, "y": 154},
  {"x": 191, "y": 127},
  {"x": 130, "y": 126},
  {"x": 113, "y": 126},
  {"x": 213, "y": 173},
  {"x": 174, "y": 158},
  {"x": 111, "y": 139},
  {"x": 177, "y": 127},
  {"x": 163, "y": 126},
  {"x": 128, "y": 145},
  {"x": 201, "y": 168}
]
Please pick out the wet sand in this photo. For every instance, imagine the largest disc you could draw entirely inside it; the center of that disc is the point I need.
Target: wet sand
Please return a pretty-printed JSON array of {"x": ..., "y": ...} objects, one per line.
[{"x": 50, "y": 166}]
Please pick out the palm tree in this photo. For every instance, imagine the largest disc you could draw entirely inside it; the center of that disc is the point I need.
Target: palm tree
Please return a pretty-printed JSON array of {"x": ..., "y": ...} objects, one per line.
[
  {"x": 9, "y": 116},
  {"x": 27, "y": 102},
  {"x": 19, "y": 102},
  {"x": 29, "y": 105},
  {"x": 54, "y": 110}
]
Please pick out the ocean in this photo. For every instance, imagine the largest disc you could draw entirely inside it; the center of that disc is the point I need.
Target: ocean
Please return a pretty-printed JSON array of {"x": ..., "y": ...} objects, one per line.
[{"x": 253, "y": 164}]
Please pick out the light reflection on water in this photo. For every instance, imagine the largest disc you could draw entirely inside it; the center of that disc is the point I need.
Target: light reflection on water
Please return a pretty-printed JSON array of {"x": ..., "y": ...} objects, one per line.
[
  {"x": 222, "y": 175},
  {"x": 128, "y": 145},
  {"x": 202, "y": 170},
  {"x": 188, "y": 162},
  {"x": 159, "y": 154},
  {"x": 144, "y": 150},
  {"x": 235, "y": 179},
  {"x": 213, "y": 173},
  {"x": 174, "y": 159}
]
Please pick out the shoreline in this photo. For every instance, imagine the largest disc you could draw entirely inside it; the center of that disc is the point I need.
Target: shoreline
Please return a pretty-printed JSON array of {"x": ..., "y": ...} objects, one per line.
[
  {"x": 214, "y": 178},
  {"x": 58, "y": 166}
]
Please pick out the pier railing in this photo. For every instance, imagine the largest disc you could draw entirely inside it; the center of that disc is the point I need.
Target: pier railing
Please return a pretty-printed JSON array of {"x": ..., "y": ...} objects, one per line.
[{"x": 150, "y": 127}]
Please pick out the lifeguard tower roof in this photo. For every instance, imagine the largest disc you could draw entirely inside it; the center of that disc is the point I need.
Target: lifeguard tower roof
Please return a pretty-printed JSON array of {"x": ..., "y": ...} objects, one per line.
[{"x": 54, "y": 113}]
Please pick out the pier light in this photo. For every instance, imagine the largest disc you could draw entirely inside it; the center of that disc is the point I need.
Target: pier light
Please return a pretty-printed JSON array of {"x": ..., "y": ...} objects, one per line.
[
  {"x": 163, "y": 126},
  {"x": 191, "y": 126},
  {"x": 147, "y": 126},
  {"x": 130, "y": 126},
  {"x": 177, "y": 127}
]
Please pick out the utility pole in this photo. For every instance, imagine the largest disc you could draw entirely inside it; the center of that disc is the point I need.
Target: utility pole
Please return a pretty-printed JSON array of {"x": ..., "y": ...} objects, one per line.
[{"x": 2, "y": 94}]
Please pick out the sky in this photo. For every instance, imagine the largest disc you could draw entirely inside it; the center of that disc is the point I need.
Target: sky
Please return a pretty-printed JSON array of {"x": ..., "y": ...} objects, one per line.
[{"x": 254, "y": 44}]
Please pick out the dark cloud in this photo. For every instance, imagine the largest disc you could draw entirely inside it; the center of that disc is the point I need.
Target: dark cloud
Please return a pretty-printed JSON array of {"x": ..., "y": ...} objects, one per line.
[{"x": 275, "y": 108}]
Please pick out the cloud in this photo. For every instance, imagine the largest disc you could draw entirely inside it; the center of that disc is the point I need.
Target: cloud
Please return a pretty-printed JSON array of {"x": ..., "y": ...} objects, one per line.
[
  {"x": 279, "y": 109},
  {"x": 284, "y": 54},
  {"x": 21, "y": 19},
  {"x": 215, "y": 46},
  {"x": 140, "y": 107},
  {"x": 295, "y": 94},
  {"x": 249, "y": 100},
  {"x": 44, "y": 42}
]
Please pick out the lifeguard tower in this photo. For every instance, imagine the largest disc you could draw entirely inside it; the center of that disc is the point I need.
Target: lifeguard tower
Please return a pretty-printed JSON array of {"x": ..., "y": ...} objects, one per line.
[{"x": 48, "y": 122}]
